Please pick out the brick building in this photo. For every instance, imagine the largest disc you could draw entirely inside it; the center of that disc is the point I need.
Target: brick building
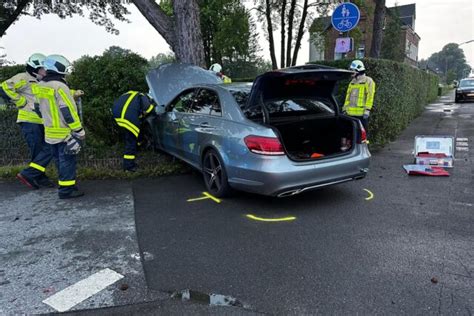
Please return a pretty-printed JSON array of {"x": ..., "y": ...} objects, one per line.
[{"x": 324, "y": 46}]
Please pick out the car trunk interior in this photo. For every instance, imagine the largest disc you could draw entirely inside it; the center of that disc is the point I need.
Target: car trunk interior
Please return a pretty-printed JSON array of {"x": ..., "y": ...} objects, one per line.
[{"x": 317, "y": 138}]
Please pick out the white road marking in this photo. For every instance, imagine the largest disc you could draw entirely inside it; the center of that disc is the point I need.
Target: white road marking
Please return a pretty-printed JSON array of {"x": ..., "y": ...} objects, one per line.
[
  {"x": 71, "y": 296},
  {"x": 462, "y": 148},
  {"x": 462, "y": 144},
  {"x": 459, "y": 139}
]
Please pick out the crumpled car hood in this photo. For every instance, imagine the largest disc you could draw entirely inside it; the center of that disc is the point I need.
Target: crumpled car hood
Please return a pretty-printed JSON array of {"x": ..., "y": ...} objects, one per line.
[{"x": 168, "y": 80}]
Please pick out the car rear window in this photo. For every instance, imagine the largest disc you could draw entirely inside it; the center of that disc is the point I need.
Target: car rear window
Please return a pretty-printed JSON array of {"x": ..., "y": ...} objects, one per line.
[{"x": 298, "y": 106}]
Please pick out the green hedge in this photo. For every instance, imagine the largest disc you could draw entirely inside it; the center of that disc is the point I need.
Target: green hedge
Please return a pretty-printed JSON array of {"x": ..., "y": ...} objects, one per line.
[{"x": 401, "y": 93}]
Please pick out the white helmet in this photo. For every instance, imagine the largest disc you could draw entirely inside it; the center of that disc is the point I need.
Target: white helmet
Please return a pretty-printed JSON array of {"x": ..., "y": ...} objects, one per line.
[
  {"x": 58, "y": 64},
  {"x": 36, "y": 60},
  {"x": 216, "y": 67},
  {"x": 357, "y": 65}
]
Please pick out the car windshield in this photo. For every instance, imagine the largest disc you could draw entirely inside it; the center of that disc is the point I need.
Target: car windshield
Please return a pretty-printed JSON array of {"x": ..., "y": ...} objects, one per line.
[{"x": 466, "y": 83}]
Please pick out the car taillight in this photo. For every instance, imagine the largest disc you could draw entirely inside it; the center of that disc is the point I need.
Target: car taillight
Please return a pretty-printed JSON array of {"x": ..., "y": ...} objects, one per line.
[
  {"x": 264, "y": 145},
  {"x": 363, "y": 134}
]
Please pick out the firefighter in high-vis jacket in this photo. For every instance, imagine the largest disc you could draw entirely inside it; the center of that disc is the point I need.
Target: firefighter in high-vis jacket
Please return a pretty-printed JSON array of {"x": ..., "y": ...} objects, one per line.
[
  {"x": 128, "y": 111},
  {"x": 360, "y": 94},
  {"x": 19, "y": 90},
  {"x": 217, "y": 69},
  {"x": 62, "y": 125}
]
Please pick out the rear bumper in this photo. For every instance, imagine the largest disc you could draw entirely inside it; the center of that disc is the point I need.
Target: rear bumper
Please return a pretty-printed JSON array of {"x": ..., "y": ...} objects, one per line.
[{"x": 279, "y": 176}]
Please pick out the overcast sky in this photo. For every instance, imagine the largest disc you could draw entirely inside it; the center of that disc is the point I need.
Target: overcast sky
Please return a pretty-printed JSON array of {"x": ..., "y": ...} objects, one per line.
[{"x": 438, "y": 22}]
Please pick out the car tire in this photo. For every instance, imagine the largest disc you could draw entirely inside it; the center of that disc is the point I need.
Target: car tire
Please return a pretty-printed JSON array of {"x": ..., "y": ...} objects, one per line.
[
  {"x": 456, "y": 100},
  {"x": 214, "y": 174}
]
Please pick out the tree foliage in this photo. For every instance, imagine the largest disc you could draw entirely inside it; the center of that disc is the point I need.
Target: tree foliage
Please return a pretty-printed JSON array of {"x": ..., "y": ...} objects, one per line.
[
  {"x": 450, "y": 62},
  {"x": 392, "y": 45},
  {"x": 103, "y": 79},
  {"x": 100, "y": 12}
]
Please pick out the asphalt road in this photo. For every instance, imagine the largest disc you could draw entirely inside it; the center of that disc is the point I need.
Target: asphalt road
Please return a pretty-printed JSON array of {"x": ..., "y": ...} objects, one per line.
[
  {"x": 388, "y": 244},
  {"x": 407, "y": 250}
]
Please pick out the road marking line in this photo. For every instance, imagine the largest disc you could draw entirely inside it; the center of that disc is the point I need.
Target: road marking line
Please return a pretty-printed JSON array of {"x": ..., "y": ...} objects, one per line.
[
  {"x": 64, "y": 300},
  {"x": 371, "y": 195},
  {"x": 211, "y": 197},
  {"x": 462, "y": 139},
  {"x": 206, "y": 196},
  {"x": 198, "y": 199},
  {"x": 462, "y": 148},
  {"x": 261, "y": 219}
]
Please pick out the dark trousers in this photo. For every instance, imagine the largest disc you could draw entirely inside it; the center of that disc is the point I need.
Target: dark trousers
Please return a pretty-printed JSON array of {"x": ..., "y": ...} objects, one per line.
[
  {"x": 40, "y": 151},
  {"x": 66, "y": 165},
  {"x": 365, "y": 123},
  {"x": 130, "y": 150}
]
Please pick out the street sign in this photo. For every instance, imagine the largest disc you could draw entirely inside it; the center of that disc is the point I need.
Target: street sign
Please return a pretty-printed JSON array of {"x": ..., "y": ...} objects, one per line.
[{"x": 345, "y": 17}]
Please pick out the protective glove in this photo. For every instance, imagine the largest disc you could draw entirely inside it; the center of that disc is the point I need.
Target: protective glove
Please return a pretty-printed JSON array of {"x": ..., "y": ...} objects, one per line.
[
  {"x": 366, "y": 114},
  {"x": 79, "y": 134},
  {"x": 73, "y": 145},
  {"x": 78, "y": 94}
]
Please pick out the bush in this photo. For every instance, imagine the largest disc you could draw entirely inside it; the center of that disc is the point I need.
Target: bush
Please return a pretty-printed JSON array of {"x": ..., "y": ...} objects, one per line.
[
  {"x": 401, "y": 94},
  {"x": 103, "y": 79}
]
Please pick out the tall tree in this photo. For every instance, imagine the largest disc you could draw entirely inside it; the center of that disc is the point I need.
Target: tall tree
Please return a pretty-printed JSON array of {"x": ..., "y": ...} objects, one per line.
[
  {"x": 392, "y": 45},
  {"x": 181, "y": 30},
  {"x": 377, "y": 34},
  {"x": 450, "y": 62},
  {"x": 296, "y": 15}
]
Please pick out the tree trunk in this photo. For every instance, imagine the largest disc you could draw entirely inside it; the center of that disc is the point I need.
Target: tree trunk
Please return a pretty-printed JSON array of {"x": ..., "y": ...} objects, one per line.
[
  {"x": 268, "y": 16},
  {"x": 377, "y": 37},
  {"x": 6, "y": 19},
  {"x": 282, "y": 22},
  {"x": 299, "y": 37},
  {"x": 183, "y": 33},
  {"x": 291, "y": 16},
  {"x": 189, "y": 46},
  {"x": 158, "y": 19}
]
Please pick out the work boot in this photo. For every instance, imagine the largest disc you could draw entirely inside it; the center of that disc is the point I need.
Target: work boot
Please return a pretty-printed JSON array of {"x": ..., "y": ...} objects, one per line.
[
  {"x": 43, "y": 181},
  {"x": 72, "y": 195},
  {"x": 31, "y": 183}
]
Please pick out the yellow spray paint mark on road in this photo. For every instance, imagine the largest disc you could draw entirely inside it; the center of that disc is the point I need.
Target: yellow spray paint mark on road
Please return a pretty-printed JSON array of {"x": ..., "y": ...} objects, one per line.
[
  {"x": 371, "y": 195},
  {"x": 206, "y": 196},
  {"x": 261, "y": 219}
]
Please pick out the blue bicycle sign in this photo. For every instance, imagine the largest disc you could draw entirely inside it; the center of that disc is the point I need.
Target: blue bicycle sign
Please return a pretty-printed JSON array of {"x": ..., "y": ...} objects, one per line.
[{"x": 345, "y": 17}]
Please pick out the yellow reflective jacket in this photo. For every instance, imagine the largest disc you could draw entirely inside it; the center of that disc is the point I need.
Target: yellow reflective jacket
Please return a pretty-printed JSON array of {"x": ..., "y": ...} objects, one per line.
[
  {"x": 19, "y": 89},
  {"x": 360, "y": 96},
  {"x": 58, "y": 110}
]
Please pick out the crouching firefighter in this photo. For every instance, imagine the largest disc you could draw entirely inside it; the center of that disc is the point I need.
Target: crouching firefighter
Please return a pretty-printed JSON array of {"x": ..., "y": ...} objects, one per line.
[
  {"x": 128, "y": 111},
  {"x": 19, "y": 90},
  {"x": 62, "y": 125}
]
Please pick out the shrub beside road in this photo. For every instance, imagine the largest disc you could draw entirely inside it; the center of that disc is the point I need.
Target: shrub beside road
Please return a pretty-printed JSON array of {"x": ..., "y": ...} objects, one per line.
[{"x": 402, "y": 92}]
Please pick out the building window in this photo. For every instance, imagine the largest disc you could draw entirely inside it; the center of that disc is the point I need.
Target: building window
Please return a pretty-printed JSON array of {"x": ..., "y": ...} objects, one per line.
[
  {"x": 338, "y": 56},
  {"x": 360, "y": 53}
]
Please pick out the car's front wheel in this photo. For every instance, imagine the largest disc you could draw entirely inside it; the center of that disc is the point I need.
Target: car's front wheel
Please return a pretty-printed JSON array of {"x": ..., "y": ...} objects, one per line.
[{"x": 215, "y": 176}]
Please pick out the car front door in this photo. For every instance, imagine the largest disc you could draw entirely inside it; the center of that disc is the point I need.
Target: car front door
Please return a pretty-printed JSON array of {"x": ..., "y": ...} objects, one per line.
[
  {"x": 199, "y": 124},
  {"x": 169, "y": 122}
]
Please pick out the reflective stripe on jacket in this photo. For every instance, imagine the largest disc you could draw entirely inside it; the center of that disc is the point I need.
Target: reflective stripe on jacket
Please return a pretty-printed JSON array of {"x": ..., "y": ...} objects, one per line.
[
  {"x": 19, "y": 89},
  {"x": 58, "y": 109},
  {"x": 360, "y": 96},
  {"x": 129, "y": 108}
]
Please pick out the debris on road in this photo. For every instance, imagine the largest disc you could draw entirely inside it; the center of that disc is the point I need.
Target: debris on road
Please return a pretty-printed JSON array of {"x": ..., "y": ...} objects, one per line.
[
  {"x": 420, "y": 170},
  {"x": 434, "y": 280},
  {"x": 123, "y": 287}
]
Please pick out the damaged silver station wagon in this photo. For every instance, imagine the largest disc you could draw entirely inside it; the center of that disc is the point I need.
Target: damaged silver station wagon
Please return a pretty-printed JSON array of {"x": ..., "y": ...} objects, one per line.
[{"x": 280, "y": 136}]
